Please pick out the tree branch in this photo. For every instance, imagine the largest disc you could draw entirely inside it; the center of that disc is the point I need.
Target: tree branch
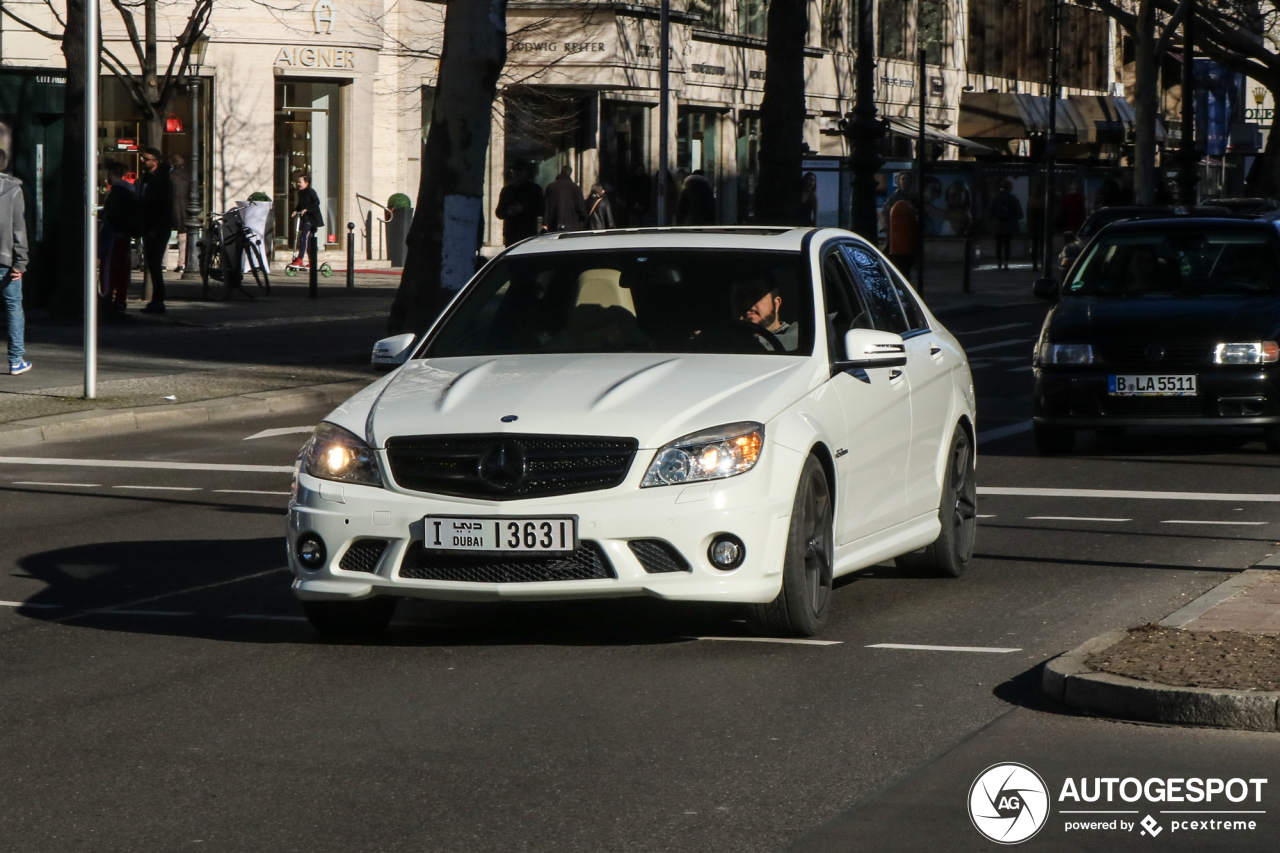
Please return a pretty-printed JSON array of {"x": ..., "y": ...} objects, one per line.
[
  {"x": 1179, "y": 15},
  {"x": 132, "y": 28},
  {"x": 1128, "y": 20},
  {"x": 30, "y": 26}
]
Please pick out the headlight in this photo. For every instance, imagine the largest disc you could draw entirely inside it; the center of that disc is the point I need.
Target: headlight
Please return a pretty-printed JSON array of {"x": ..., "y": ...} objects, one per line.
[
  {"x": 1265, "y": 352},
  {"x": 1066, "y": 354},
  {"x": 713, "y": 454},
  {"x": 336, "y": 454}
]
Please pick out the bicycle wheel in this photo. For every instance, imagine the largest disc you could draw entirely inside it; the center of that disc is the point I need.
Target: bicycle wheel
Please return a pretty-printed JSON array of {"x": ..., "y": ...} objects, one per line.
[
  {"x": 221, "y": 289},
  {"x": 326, "y": 270},
  {"x": 291, "y": 271},
  {"x": 257, "y": 265}
]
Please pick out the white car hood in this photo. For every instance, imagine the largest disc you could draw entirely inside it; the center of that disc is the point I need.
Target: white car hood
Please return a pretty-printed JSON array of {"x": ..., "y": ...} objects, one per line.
[{"x": 652, "y": 398}]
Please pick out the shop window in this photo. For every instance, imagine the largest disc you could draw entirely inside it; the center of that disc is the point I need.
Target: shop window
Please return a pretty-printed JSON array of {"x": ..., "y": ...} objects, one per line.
[
  {"x": 307, "y": 137},
  {"x": 625, "y": 167},
  {"x": 748, "y": 165},
  {"x": 752, "y": 15},
  {"x": 543, "y": 128},
  {"x": 933, "y": 30},
  {"x": 893, "y": 30},
  {"x": 712, "y": 12},
  {"x": 696, "y": 142}
]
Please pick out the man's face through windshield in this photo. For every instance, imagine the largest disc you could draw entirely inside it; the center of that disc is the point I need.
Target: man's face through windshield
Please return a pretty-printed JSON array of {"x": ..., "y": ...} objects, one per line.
[{"x": 761, "y": 306}]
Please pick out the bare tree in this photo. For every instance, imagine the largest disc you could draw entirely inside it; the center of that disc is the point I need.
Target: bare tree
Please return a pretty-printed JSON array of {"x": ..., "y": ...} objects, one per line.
[
  {"x": 782, "y": 112},
  {"x": 445, "y": 235}
]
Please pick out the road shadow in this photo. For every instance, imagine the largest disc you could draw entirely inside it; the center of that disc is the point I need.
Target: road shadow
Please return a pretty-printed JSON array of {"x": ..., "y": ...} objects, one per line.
[{"x": 1163, "y": 445}]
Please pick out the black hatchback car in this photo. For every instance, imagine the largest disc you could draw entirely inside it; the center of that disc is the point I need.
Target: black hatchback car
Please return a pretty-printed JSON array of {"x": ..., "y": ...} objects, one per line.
[{"x": 1163, "y": 322}]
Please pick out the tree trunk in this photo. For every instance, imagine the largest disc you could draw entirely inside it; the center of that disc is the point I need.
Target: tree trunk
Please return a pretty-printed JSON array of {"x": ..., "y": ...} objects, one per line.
[
  {"x": 782, "y": 114},
  {"x": 153, "y": 122},
  {"x": 1146, "y": 105},
  {"x": 1264, "y": 175},
  {"x": 67, "y": 298},
  {"x": 445, "y": 235}
]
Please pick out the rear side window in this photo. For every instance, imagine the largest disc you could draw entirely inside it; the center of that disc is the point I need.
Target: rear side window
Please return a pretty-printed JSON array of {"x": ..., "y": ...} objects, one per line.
[{"x": 880, "y": 293}]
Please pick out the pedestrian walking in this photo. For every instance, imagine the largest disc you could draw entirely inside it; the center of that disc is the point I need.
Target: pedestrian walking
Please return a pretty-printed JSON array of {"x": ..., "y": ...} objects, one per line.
[
  {"x": 120, "y": 222},
  {"x": 904, "y": 188},
  {"x": 13, "y": 263},
  {"x": 565, "y": 209},
  {"x": 1005, "y": 213},
  {"x": 697, "y": 204},
  {"x": 181, "y": 201},
  {"x": 519, "y": 206},
  {"x": 807, "y": 209},
  {"x": 599, "y": 211},
  {"x": 307, "y": 209},
  {"x": 156, "y": 204},
  {"x": 902, "y": 234}
]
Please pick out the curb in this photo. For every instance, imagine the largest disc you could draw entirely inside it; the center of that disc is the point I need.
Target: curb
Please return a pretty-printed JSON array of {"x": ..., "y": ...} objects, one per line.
[
  {"x": 1069, "y": 681},
  {"x": 99, "y": 422}
]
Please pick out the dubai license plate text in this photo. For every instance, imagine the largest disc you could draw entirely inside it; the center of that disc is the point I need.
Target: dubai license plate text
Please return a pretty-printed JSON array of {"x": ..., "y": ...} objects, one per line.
[{"x": 451, "y": 533}]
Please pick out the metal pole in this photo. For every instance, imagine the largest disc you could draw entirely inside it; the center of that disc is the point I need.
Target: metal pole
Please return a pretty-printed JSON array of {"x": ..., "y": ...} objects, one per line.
[
  {"x": 664, "y": 109},
  {"x": 195, "y": 197},
  {"x": 864, "y": 130},
  {"x": 1187, "y": 172},
  {"x": 1051, "y": 140},
  {"x": 90, "y": 220},
  {"x": 351, "y": 255},
  {"x": 921, "y": 216}
]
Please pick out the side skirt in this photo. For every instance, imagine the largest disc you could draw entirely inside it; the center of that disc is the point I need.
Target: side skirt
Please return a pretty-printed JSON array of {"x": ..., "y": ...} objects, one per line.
[{"x": 900, "y": 539}]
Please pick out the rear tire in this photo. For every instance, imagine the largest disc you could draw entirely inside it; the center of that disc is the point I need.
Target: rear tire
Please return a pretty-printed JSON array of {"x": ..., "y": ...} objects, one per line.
[
  {"x": 950, "y": 553},
  {"x": 1053, "y": 440},
  {"x": 801, "y": 608},
  {"x": 352, "y": 620}
]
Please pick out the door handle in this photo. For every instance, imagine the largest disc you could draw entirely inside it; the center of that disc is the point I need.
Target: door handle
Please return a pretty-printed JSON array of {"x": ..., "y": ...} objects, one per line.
[
  {"x": 934, "y": 349},
  {"x": 895, "y": 376}
]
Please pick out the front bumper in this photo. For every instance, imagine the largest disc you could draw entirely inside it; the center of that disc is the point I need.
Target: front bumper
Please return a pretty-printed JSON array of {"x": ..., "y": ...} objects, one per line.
[
  {"x": 1227, "y": 396},
  {"x": 756, "y": 507}
]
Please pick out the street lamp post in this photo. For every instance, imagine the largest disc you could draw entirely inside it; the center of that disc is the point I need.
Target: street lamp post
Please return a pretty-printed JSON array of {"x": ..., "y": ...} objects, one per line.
[
  {"x": 1188, "y": 175},
  {"x": 664, "y": 105},
  {"x": 195, "y": 197},
  {"x": 1055, "y": 50},
  {"x": 863, "y": 129}
]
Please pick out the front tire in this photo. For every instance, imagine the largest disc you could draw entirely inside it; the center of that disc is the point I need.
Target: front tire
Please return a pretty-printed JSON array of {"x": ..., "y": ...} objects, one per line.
[
  {"x": 950, "y": 553},
  {"x": 800, "y": 610},
  {"x": 1053, "y": 440},
  {"x": 351, "y": 620}
]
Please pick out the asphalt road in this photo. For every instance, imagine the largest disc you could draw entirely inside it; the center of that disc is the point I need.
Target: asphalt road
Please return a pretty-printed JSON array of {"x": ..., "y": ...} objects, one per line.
[{"x": 159, "y": 689}]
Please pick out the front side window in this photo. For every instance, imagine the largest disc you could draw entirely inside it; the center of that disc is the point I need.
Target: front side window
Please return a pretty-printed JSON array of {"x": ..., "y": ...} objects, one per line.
[
  {"x": 635, "y": 300},
  {"x": 1187, "y": 263},
  {"x": 877, "y": 287}
]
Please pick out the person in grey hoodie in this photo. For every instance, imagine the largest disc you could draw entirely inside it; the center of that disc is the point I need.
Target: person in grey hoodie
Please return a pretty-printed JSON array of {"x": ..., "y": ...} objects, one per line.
[{"x": 13, "y": 263}]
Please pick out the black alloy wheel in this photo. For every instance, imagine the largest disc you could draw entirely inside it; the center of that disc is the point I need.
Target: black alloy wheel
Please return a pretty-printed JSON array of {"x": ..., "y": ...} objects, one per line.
[
  {"x": 361, "y": 619},
  {"x": 801, "y": 608},
  {"x": 950, "y": 553}
]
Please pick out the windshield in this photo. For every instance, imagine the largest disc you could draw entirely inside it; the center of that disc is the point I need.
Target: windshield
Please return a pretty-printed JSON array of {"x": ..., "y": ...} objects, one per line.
[
  {"x": 635, "y": 300},
  {"x": 1179, "y": 263}
]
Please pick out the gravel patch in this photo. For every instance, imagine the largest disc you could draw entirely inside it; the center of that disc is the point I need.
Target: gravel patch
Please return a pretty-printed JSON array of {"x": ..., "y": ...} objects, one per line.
[{"x": 1220, "y": 659}]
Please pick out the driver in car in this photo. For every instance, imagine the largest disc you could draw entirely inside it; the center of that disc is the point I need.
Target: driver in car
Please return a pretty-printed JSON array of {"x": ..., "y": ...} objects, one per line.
[{"x": 758, "y": 302}]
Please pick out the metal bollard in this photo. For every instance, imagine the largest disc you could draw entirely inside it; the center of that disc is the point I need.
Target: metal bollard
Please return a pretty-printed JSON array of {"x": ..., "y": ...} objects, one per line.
[
  {"x": 368, "y": 236},
  {"x": 968, "y": 261},
  {"x": 351, "y": 256}
]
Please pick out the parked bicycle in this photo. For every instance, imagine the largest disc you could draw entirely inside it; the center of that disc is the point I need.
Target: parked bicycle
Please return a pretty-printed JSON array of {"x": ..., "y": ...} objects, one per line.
[{"x": 226, "y": 244}]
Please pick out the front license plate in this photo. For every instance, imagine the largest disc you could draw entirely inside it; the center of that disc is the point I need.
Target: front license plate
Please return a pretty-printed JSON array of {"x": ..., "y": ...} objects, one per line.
[
  {"x": 457, "y": 533},
  {"x": 1152, "y": 386}
]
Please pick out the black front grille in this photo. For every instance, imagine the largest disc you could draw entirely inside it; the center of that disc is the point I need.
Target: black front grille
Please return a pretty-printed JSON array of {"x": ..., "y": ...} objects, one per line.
[
  {"x": 586, "y": 563},
  {"x": 1155, "y": 352},
  {"x": 1155, "y": 407},
  {"x": 509, "y": 467},
  {"x": 658, "y": 556},
  {"x": 363, "y": 555}
]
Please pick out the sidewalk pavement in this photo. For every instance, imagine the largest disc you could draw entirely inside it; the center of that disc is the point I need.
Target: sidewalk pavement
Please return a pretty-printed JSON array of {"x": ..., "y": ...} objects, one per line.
[{"x": 1214, "y": 662}]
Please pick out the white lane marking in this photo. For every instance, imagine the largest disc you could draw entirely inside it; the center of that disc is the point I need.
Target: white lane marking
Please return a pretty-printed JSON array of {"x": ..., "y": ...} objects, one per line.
[
  {"x": 1071, "y": 518},
  {"x": 41, "y": 483},
  {"x": 165, "y": 466},
  {"x": 994, "y": 329},
  {"x": 1003, "y": 432},
  {"x": 1248, "y": 523},
  {"x": 1124, "y": 493},
  {"x": 164, "y": 595},
  {"x": 998, "y": 345},
  {"x": 162, "y": 488},
  {"x": 265, "y": 617},
  {"x": 987, "y": 516},
  {"x": 271, "y": 433},
  {"x": 789, "y": 640},
  {"x": 1021, "y": 369},
  {"x": 247, "y": 492},
  {"x": 986, "y": 649},
  {"x": 28, "y": 604}
]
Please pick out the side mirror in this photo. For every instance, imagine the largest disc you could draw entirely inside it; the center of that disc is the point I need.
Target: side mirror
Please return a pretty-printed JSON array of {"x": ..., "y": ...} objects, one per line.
[
  {"x": 390, "y": 353},
  {"x": 1045, "y": 288},
  {"x": 867, "y": 348}
]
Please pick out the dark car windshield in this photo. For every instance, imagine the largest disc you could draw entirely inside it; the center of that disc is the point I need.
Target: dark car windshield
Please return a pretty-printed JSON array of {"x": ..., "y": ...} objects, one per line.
[
  {"x": 635, "y": 300},
  {"x": 1181, "y": 262},
  {"x": 1106, "y": 216}
]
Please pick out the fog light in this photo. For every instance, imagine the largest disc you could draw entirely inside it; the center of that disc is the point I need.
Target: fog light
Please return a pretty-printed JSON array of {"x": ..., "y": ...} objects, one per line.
[
  {"x": 310, "y": 551},
  {"x": 726, "y": 551}
]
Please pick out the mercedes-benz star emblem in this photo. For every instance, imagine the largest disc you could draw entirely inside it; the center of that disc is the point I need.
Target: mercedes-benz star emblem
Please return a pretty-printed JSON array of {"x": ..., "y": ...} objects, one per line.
[{"x": 502, "y": 468}]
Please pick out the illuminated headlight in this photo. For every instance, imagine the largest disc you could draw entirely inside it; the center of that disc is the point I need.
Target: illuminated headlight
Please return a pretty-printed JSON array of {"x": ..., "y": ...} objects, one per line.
[
  {"x": 1066, "y": 354},
  {"x": 714, "y": 454},
  {"x": 333, "y": 453},
  {"x": 1264, "y": 352}
]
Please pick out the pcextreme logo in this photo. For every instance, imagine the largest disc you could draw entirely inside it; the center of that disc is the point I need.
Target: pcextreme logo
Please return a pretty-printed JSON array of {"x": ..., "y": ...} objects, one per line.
[{"x": 1008, "y": 803}]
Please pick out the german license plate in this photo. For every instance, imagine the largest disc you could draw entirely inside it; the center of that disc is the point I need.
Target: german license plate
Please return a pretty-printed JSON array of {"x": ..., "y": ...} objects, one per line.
[
  {"x": 1151, "y": 386},
  {"x": 458, "y": 533}
]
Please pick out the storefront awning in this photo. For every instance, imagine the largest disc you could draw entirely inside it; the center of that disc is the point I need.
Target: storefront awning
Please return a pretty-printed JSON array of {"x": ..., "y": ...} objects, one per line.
[
  {"x": 1103, "y": 118},
  {"x": 911, "y": 128},
  {"x": 1083, "y": 119}
]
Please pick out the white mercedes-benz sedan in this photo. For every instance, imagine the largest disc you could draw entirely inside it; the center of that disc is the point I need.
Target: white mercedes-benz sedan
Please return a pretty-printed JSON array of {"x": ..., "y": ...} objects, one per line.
[{"x": 715, "y": 414}]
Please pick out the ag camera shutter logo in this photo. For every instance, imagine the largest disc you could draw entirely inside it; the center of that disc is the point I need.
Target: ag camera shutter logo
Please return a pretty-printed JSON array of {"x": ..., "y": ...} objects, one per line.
[{"x": 1008, "y": 803}]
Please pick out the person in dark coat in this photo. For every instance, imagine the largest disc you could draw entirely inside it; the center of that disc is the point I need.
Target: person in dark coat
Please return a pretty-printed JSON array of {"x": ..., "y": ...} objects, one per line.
[
  {"x": 310, "y": 220},
  {"x": 599, "y": 211},
  {"x": 697, "y": 204},
  {"x": 1004, "y": 215},
  {"x": 181, "y": 178},
  {"x": 565, "y": 209},
  {"x": 120, "y": 219},
  {"x": 519, "y": 206},
  {"x": 156, "y": 202}
]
